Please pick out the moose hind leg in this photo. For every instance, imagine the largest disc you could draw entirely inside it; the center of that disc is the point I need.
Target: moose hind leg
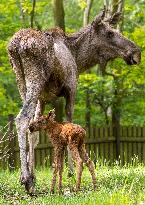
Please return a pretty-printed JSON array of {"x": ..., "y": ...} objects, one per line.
[
  {"x": 89, "y": 163},
  {"x": 33, "y": 139},
  {"x": 22, "y": 122},
  {"x": 69, "y": 108}
]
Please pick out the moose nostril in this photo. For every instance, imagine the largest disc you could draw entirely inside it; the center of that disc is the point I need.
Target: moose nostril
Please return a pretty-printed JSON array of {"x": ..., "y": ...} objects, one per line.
[{"x": 133, "y": 58}]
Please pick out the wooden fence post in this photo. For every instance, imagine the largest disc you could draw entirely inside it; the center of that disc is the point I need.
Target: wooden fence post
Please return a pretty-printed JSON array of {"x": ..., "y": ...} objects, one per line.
[{"x": 11, "y": 158}]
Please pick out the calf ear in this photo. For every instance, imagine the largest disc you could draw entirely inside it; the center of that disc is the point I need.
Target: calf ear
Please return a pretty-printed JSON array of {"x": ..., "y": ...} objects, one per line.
[
  {"x": 113, "y": 20},
  {"x": 99, "y": 18}
]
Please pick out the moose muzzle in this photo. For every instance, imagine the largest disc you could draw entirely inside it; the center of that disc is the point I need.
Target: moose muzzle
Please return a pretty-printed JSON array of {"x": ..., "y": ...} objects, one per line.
[{"x": 133, "y": 58}]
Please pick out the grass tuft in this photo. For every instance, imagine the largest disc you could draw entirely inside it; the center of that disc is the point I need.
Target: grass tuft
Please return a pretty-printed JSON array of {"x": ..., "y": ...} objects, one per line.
[{"x": 116, "y": 185}]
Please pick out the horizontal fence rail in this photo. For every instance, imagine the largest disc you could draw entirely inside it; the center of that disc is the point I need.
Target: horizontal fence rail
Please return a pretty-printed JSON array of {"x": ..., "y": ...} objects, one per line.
[{"x": 101, "y": 143}]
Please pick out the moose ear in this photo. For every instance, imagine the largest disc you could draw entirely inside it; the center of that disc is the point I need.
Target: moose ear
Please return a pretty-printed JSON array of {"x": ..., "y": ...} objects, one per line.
[
  {"x": 99, "y": 18},
  {"x": 113, "y": 20}
]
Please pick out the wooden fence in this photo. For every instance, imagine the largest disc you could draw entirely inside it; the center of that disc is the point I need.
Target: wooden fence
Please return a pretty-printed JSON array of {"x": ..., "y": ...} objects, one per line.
[{"x": 100, "y": 144}]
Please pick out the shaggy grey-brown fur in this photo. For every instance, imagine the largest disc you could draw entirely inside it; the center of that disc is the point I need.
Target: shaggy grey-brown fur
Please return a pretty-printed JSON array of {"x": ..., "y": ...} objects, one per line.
[{"x": 47, "y": 65}]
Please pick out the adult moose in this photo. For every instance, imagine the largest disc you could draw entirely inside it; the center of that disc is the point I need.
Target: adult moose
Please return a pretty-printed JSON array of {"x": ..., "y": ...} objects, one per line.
[{"x": 47, "y": 65}]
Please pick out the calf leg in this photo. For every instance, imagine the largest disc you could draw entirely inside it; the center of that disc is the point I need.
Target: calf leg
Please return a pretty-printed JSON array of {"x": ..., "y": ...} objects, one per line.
[
  {"x": 89, "y": 163},
  {"x": 79, "y": 164},
  {"x": 57, "y": 155},
  {"x": 60, "y": 171}
]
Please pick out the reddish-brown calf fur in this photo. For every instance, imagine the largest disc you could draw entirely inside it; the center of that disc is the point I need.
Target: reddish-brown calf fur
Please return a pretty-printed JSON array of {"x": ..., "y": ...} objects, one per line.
[{"x": 61, "y": 135}]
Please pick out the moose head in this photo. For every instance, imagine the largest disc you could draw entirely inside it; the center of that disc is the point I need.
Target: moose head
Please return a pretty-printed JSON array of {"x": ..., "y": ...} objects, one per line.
[
  {"x": 112, "y": 43},
  {"x": 101, "y": 42}
]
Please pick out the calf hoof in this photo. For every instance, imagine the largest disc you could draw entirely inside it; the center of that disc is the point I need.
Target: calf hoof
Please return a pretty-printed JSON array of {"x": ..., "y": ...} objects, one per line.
[
  {"x": 95, "y": 187},
  {"x": 29, "y": 183}
]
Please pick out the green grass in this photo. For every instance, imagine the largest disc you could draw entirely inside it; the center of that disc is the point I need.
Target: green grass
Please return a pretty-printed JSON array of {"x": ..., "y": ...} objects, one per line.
[{"x": 116, "y": 186}]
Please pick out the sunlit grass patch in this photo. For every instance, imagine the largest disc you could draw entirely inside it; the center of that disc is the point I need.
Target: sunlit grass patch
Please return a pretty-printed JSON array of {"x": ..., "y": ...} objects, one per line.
[{"x": 116, "y": 185}]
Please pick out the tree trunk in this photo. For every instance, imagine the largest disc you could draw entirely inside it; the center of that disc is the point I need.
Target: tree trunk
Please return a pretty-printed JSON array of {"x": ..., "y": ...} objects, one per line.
[
  {"x": 32, "y": 14},
  {"x": 59, "y": 14},
  {"x": 117, "y": 6},
  {"x": 87, "y": 12},
  {"x": 88, "y": 112},
  {"x": 59, "y": 108},
  {"x": 116, "y": 118},
  {"x": 59, "y": 21},
  {"x": 25, "y": 18},
  {"x": 88, "y": 103}
]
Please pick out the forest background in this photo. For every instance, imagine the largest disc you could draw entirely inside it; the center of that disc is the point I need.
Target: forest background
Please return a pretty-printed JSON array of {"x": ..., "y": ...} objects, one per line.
[{"x": 99, "y": 97}]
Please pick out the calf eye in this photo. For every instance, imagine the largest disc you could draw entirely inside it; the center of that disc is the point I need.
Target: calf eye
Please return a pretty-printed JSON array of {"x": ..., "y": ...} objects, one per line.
[{"x": 110, "y": 34}]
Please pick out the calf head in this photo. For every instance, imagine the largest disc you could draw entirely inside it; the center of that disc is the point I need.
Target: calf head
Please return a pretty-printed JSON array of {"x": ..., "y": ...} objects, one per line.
[
  {"x": 109, "y": 43},
  {"x": 42, "y": 122}
]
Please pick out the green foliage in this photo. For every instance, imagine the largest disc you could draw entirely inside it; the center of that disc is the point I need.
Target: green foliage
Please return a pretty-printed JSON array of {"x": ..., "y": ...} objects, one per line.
[
  {"x": 100, "y": 96},
  {"x": 132, "y": 83},
  {"x": 82, "y": 4},
  {"x": 9, "y": 23},
  {"x": 134, "y": 14},
  {"x": 129, "y": 81},
  {"x": 43, "y": 13}
]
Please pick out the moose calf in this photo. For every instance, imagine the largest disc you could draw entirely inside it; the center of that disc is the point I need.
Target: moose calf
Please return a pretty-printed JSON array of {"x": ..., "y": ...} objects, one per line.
[{"x": 61, "y": 135}]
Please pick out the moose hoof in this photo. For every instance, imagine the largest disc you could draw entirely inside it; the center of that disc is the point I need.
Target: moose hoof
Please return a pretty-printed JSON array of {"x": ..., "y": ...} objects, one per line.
[
  {"x": 52, "y": 192},
  {"x": 29, "y": 183}
]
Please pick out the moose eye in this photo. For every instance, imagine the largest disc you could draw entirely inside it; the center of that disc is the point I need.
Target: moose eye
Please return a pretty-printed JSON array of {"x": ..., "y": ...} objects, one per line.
[{"x": 110, "y": 34}]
